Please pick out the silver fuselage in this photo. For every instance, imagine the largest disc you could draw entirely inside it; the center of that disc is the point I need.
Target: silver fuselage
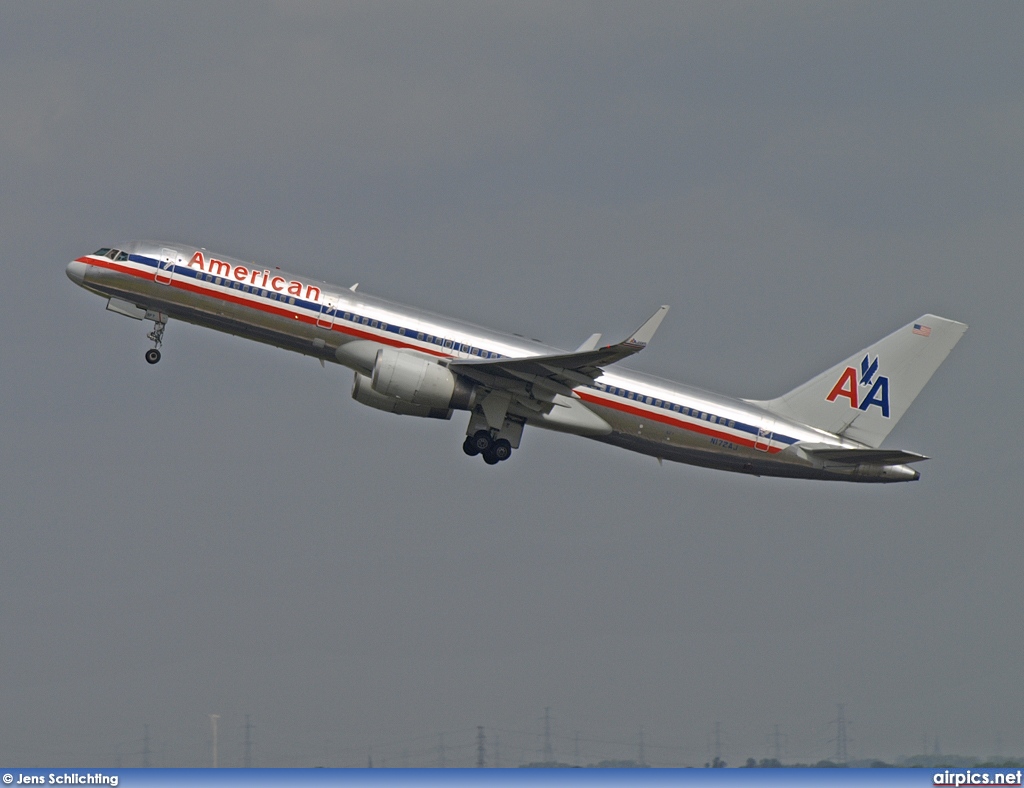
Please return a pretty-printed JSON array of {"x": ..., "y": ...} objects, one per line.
[{"x": 635, "y": 411}]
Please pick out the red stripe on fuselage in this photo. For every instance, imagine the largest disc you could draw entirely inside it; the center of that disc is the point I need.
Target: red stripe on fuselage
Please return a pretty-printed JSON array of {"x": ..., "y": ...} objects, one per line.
[
  {"x": 184, "y": 284},
  {"x": 341, "y": 328},
  {"x": 587, "y": 396}
]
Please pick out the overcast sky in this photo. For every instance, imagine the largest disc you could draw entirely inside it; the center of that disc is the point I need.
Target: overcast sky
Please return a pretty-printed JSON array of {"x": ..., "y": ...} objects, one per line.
[{"x": 228, "y": 532}]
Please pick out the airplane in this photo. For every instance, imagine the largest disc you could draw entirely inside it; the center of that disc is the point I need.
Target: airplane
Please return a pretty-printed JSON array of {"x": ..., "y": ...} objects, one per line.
[{"x": 412, "y": 362}]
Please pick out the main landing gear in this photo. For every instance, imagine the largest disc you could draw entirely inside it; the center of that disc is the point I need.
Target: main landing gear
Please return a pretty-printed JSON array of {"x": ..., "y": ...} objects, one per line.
[
  {"x": 157, "y": 337},
  {"x": 493, "y": 451}
]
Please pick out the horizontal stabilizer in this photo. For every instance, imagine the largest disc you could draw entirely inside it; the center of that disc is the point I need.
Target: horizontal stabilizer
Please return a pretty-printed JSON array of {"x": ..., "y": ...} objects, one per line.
[{"x": 866, "y": 456}]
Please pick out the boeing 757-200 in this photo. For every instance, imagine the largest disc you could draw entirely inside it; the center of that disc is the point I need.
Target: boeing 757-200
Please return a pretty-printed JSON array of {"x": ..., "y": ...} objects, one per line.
[{"x": 408, "y": 361}]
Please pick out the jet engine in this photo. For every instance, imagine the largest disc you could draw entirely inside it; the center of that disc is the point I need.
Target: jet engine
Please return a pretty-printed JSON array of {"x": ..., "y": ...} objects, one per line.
[
  {"x": 416, "y": 380},
  {"x": 412, "y": 385},
  {"x": 362, "y": 391}
]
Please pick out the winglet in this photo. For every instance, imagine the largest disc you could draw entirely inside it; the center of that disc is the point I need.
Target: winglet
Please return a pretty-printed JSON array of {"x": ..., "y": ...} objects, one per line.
[
  {"x": 643, "y": 335},
  {"x": 590, "y": 344}
]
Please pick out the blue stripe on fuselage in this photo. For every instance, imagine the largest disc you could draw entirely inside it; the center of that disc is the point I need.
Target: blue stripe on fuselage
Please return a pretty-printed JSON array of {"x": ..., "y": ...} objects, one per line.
[{"x": 622, "y": 402}]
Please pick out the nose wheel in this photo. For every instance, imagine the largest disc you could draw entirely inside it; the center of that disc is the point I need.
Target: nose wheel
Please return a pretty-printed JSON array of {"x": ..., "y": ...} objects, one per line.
[{"x": 156, "y": 336}]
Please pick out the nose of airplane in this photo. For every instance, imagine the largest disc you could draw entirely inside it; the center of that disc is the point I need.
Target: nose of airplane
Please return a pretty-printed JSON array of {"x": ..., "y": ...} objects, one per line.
[{"x": 76, "y": 272}]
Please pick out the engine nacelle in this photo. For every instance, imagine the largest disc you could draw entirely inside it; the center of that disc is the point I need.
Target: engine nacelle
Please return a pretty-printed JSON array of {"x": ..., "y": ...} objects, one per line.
[
  {"x": 416, "y": 380},
  {"x": 362, "y": 391}
]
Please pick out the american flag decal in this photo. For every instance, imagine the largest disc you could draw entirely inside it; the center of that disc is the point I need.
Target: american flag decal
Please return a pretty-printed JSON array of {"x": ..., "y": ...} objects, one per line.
[{"x": 923, "y": 331}]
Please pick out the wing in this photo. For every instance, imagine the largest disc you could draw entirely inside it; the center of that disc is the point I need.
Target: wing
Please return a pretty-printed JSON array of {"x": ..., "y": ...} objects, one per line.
[{"x": 555, "y": 374}]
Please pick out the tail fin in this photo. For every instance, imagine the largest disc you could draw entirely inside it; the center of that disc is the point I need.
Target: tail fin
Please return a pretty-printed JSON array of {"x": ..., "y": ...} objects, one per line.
[{"x": 863, "y": 397}]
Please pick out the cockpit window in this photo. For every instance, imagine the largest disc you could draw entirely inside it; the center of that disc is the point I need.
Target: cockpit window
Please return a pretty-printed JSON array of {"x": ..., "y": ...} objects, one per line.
[
  {"x": 121, "y": 256},
  {"x": 101, "y": 252}
]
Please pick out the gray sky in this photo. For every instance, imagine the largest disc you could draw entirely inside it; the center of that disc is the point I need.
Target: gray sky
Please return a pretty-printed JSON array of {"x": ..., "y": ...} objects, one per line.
[{"x": 229, "y": 532}]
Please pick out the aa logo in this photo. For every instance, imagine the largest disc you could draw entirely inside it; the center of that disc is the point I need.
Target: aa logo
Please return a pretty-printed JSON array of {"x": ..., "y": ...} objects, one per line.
[{"x": 851, "y": 385}]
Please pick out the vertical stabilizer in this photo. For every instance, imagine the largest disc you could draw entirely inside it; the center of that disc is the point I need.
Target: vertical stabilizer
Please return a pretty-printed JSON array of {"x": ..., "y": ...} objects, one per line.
[{"x": 863, "y": 397}]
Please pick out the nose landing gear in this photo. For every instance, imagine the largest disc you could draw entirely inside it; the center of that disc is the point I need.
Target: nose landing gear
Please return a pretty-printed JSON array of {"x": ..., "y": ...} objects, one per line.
[{"x": 156, "y": 336}]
